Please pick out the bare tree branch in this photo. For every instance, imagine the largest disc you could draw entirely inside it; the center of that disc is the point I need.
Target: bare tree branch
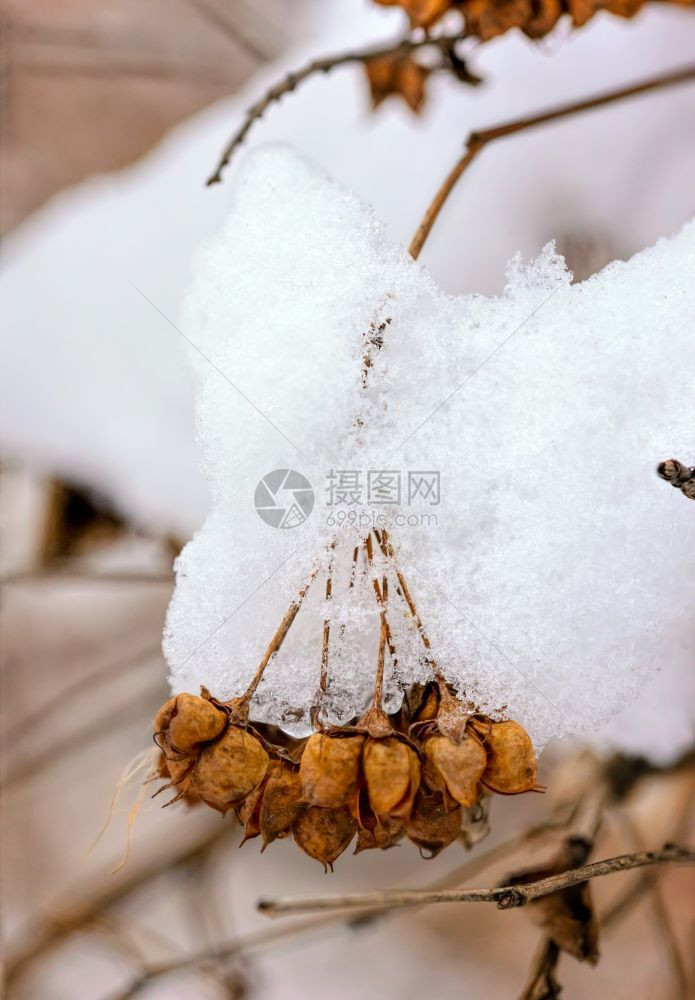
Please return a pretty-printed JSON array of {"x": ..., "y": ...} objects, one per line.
[
  {"x": 477, "y": 141},
  {"x": 506, "y": 897},
  {"x": 445, "y": 43}
]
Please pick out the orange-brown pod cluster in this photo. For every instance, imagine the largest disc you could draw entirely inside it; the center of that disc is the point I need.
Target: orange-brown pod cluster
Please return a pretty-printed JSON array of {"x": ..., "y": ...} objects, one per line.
[{"x": 419, "y": 775}]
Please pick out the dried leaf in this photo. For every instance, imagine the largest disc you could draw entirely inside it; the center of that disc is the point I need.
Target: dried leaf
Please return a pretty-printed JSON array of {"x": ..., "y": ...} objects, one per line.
[
  {"x": 323, "y": 834},
  {"x": 400, "y": 75},
  {"x": 454, "y": 768},
  {"x": 329, "y": 769},
  {"x": 392, "y": 773},
  {"x": 511, "y": 760},
  {"x": 567, "y": 916},
  {"x": 422, "y": 13},
  {"x": 432, "y": 826},
  {"x": 229, "y": 769},
  {"x": 486, "y": 19}
]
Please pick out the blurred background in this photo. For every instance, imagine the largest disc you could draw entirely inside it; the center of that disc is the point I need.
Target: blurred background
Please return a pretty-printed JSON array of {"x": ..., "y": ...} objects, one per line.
[{"x": 113, "y": 115}]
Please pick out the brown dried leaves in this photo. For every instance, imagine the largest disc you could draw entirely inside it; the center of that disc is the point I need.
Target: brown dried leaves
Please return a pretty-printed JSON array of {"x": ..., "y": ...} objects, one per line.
[
  {"x": 399, "y": 75},
  {"x": 485, "y": 19},
  {"x": 567, "y": 917}
]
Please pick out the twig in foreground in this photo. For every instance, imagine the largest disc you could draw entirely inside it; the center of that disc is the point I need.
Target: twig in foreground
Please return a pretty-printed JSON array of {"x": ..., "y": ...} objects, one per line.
[
  {"x": 506, "y": 897},
  {"x": 477, "y": 141},
  {"x": 445, "y": 43}
]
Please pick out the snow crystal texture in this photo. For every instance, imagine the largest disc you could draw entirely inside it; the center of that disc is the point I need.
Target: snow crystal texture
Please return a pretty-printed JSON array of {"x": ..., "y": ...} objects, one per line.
[{"x": 546, "y": 558}]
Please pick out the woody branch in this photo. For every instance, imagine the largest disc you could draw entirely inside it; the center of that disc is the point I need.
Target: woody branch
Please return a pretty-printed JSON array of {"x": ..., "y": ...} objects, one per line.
[{"x": 506, "y": 897}]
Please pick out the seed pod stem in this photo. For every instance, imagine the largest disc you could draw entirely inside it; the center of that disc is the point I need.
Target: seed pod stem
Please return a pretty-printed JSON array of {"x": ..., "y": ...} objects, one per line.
[
  {"x": 241, "y": 704},
  {"x": 403, "y": 589},
  {"x": 379, "y": 680}
]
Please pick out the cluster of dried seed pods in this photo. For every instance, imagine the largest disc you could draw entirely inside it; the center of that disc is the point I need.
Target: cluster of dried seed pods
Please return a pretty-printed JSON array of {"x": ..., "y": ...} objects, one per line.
[{"x": 421, "y": 775}]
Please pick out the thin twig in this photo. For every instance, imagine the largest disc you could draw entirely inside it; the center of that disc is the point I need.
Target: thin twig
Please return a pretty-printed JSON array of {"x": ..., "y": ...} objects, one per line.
[
  {"x": 542, "y": 983},
  {"x": 506, "y": 897},
  {"x": 381, "y": 591},
  {"x": 661, "y": 921},
  {"x": 39, "y": 716},
  {"x": 478, "y": 140},
  {"x": 323, "y": 681},
  {"x": 74, "y": 914},
  {"x": 278, "y": 639},
  {"x": 240, "y": 946},
  {"x": 444, "y": 43}
]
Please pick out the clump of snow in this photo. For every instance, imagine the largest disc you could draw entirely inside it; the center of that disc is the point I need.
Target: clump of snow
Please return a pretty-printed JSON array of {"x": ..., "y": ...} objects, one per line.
[
  {"x": 91, "y": 385},
  {"x": 541, "y": 561}
]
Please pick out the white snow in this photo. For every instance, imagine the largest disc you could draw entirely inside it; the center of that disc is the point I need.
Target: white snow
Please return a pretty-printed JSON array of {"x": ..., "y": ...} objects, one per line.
[
  {"x": 548, "y": 583},
  {"x": 92, "y": 387}
]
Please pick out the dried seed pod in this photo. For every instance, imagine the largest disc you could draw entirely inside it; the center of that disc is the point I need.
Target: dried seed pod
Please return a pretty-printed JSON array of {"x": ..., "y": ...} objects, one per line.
[
  {"x": 194, "y": 720},
  {"x": 453, "y": 716},
  {"x": 426, "y": 703},
  {"x": 511, "y": 761},
  {"x": 179, "y": 768},
  {"x": 323, "y": 834},
  {"x": 248, "y": 814},
  {"x": 177, "y": 771},
  {"x": 229, "y": 769},
  {"x": 329, "y": 769},
  {"x": 379, "y": 835},
  {"x": 475, "y": 820},
  {"x": 454, "y": 768},
  {"x": 392, "y": 773},
  {"x": 432, "y": 826},
  {"x": 163, "y": 716},
  {"x": 280, "y": 803}
]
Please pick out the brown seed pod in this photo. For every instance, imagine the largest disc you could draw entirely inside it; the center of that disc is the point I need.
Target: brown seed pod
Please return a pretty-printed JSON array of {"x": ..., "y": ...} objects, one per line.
[
  {"x": 432, "y": 826},
  {"x": 329, "y": 769},
  {"x": 280, "y": 802},
  {"x": 379, "y": 835},
  {"x": 323, "y": 834},
  {"x": 248, "y": 814},
  {"x": 511, "y": 760},
  {"x": 192, "y": 721},
  {"x": 229, "y": 769},
  {"x": 454, "y": 768},
  {"x": 392, "y": 773},
  {"x": 163, "y": 716}
]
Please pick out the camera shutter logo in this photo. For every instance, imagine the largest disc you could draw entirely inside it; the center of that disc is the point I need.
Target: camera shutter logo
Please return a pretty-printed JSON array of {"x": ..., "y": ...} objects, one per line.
[{"x": 284, "y": 498}]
